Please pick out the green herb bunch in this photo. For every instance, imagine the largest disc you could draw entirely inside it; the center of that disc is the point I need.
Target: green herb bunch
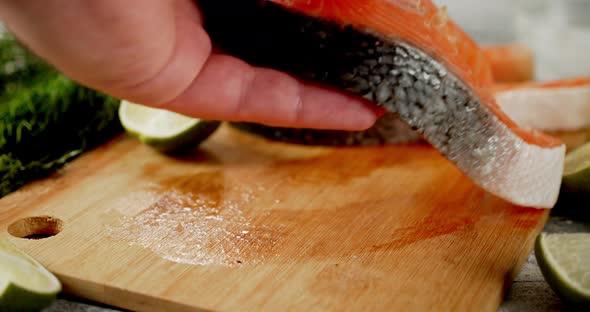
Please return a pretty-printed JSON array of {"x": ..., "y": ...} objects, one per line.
[{"x": 46, "y": 119}]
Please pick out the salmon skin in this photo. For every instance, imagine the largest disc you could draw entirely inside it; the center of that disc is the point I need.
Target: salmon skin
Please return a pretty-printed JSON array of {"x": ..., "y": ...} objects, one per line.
[
  {"x": 409, "y": 58},
  {"x": 389, "y": 129},
  {"x": 554, "y": 106}
]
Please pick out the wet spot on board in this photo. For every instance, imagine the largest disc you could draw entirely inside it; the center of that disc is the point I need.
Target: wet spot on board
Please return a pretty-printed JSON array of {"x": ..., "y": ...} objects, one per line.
[
  {"x": 218, "y": 222},
  {"x": 195, "y": 229},
  {"x": 229, "y": 214}
]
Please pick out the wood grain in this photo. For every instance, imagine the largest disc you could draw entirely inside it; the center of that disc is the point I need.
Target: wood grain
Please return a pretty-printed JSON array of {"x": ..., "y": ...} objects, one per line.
[{"x": 242, "y": 224}]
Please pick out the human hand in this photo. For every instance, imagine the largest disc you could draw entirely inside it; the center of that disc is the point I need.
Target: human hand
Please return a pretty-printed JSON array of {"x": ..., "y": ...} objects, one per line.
[{"x": 155, "y": 52}]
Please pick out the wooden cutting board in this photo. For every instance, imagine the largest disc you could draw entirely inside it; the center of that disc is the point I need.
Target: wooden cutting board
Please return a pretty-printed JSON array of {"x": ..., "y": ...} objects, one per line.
[{"x": 242, "y": 224}]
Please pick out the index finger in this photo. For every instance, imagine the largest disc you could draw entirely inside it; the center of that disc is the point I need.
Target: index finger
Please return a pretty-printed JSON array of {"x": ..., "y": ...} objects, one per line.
[{"x": 229, "y": 89}]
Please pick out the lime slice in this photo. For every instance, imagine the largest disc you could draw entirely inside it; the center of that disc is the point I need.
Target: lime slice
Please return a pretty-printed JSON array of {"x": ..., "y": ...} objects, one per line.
[
  {"x": 164, "y": 130},
  {"x": 25, "y": 285},
  {"x": 565, "y": 262},
  {"x": 576, "y": 172}
]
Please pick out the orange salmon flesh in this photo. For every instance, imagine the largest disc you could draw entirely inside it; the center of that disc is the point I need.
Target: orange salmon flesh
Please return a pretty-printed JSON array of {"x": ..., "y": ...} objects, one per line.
[
  {"x": 423, "y": 24},
  {"x": 410, "y": 58},
  {"x": 510, "y": 63}
]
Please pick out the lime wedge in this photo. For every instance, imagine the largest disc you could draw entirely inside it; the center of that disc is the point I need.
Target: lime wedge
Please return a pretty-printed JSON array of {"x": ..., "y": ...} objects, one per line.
[
  {"x": 25, "y": 285},
  {"x": 576, "y": 171},
  {"x": 164, "y": 130},
  {"x": 565, "y": 263}
]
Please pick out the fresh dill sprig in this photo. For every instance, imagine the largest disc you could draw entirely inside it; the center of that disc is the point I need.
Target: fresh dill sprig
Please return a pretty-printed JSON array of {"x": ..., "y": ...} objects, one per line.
[{"x": 46, "y": 119}]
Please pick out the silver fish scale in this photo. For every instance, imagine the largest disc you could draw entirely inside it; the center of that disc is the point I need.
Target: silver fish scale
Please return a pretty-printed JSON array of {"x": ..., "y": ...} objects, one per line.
[
  {"x": 397, "y": 76},
  {"x": 391, "y": 73},
  {"x": 434, "y": 102},
  {"x": 389, "y": 129}
]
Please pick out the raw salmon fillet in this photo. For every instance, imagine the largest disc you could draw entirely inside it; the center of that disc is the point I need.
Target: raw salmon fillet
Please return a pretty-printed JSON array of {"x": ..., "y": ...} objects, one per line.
[
  {"x": 410, "y": 58},
  {"x": 554, "y": 106}
]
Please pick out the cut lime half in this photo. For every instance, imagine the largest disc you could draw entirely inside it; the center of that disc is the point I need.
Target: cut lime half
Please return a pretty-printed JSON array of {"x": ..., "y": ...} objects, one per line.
[
  {"x": 576, "y": 171},
  {"x": 164, "y": 130},
  {"x": 564, "y": 260},
  {"x": 25, "y": 285}
]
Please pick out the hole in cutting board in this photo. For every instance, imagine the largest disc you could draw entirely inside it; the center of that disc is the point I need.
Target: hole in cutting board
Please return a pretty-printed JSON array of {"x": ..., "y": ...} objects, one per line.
[{"x": 38, "y": 227}]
